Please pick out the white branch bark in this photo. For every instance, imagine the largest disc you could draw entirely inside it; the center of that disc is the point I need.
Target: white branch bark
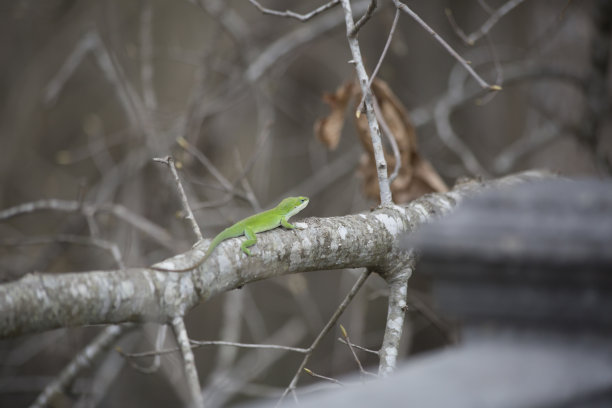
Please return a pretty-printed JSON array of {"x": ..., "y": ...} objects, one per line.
[
  {"x": 40, "y": 302},
  {"x": 398, "y": 290}
]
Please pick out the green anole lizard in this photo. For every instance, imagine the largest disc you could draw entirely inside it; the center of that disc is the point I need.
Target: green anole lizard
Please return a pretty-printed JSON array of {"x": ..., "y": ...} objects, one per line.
[{"x": 250, "y": 226}]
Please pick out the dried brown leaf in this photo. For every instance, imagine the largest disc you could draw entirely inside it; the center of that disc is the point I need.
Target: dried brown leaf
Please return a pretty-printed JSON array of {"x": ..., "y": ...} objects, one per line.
[
  {"x": 416, "y": 175},
  {"x": 329, "y": 129}
]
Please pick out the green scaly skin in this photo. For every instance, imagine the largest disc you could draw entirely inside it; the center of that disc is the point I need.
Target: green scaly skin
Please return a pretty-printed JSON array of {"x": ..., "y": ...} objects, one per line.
[{"x": 250, "y": 226}]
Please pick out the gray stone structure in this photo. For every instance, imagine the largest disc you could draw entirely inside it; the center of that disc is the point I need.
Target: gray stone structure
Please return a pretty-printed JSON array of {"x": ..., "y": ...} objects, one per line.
[{"x": 527, "y": 271}]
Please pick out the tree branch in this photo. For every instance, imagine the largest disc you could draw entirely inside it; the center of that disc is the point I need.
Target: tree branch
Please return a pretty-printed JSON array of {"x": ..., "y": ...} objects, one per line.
[
  {"x": 297, "y": 16},
  {"x": 398, "y": 289},
  {"x": 379, "y": 155},
  {"x": 80, "y": 362},
  {"x": 330, "y": 323},
  {"x": 40, "y": 302},
  {"x": 448, "y": 48},
  {"x": 193, "y": 381}
]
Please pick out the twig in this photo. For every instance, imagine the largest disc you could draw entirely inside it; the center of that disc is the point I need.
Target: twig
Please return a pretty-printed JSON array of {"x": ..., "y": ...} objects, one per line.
[
  {"x": 222, "y": 386},
  {"x": 169, "y": 161},
  {"x": 379, "y": 155},
  {"x": 328, "y": 174},
  {"x": 442, "y": 113},
  {"x": 88, "y": 209},
  {"x": 265, "y": 391},
  {"x": 292, "y": 41},
  {"x": 195, "y": 152},
  {"x": 382, "y": 57},
  {"x": 29, "y": 348},
  {"x": 201, "y": 343},
  {"x": 291, "y": 14},
  {"x": 485, "y": 6},
  {"x": 146, "y": 56},
  {"x": 233, "y": 309},
  {"x": 391, "y": 139},
  {"x": 193, "y": 382},
  {"x": 448, "y": 48},
  {"x": 213, "y": 203},
  {"x": 250, "y": 193},
  {"x": 350, "y": 346},
  {"x": 103, "y": 377},
  {"x": 367, "y": 350},
  {"x": 155, "y": 364},
  {"x": 71, "y": 239},
  {"x": 526, "y": 145},
  {"x": 414, "y": 300},
  {"x": 487, "y": 26},
  {"x": 247, "y": 345},
  {"x": 81, "y": 361},
  {"x": 91, "y": 43},
  {"x": 315, "y": 375},
  {"x": 264, "y": 135},
  {"x": 345, "y": 302},
  {"x": 364, "y": 19}
]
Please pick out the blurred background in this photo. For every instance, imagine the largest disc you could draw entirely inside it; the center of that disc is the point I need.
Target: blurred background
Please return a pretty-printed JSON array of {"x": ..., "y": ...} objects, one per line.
[{"x": 92, "y": 91}]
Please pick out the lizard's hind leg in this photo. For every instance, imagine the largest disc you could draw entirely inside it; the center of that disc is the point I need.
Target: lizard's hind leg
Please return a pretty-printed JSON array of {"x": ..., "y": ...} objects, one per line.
[{"x": 250, "y": 241}]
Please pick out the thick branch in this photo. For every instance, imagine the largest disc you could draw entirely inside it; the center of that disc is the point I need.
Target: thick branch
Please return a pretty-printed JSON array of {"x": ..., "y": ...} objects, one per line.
[
  {"x": 398, "y": 290},
  {"x": 193, "y": 382},
  {"x": 41, "y": 302}
]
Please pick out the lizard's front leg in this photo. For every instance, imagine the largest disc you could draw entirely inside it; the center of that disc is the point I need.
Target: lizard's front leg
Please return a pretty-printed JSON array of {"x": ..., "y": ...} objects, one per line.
[
  {"x": 286, "y": 224},
  {"x": 250, "y": 241}
]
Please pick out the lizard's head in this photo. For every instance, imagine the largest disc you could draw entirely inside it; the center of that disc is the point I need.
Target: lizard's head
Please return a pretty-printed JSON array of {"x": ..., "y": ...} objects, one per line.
[{"x": 293, "y": 205}]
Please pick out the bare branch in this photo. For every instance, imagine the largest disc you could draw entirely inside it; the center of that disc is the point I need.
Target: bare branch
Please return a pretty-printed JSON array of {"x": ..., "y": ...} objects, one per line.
[
  {"x": 201, "y": 343},
  {"x": 292, "y": 41},
  {"x": 364, "y": 19},
  {"x": 205, "y": 161},
  {"x": 233, "y": 310},
  {"x": 103, "y": 244},
  {"x": 391, "y": 139},
  {"x": 415, "y": 301},
  {"x": 379, "y": 155},
  {"x": 398, "y": 287},
  {"x": 40, "y": 302},
  {"x": 367, "y": 350},
  {"x": 485, "y": 6},
  {"x": 297, "y": 16},
  {"x": 146, "y": 56},
  {"x": 92, "y": 43},
  {"x": 169, "y": 161},
  {"x": 448, "y": 48},
  {"x": 81, "y": 361},
  {"x": 249, "y": 192},
  {"x": 322, "y": 377},
  {"x": 350, "y": 346},
  {"x": 495, "y": 16},
  {"x": 155, "y": 364},
  {"x": 382, "y": 57},
  {"x": 442, "y": 114},
  {"x": 193, "y": 382},
  {"x": 526, "y": 145},
  {"x": 332, "y": 321},
  {"x": 222, "y": 386},
  {"x": 88, "y": 209}
]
